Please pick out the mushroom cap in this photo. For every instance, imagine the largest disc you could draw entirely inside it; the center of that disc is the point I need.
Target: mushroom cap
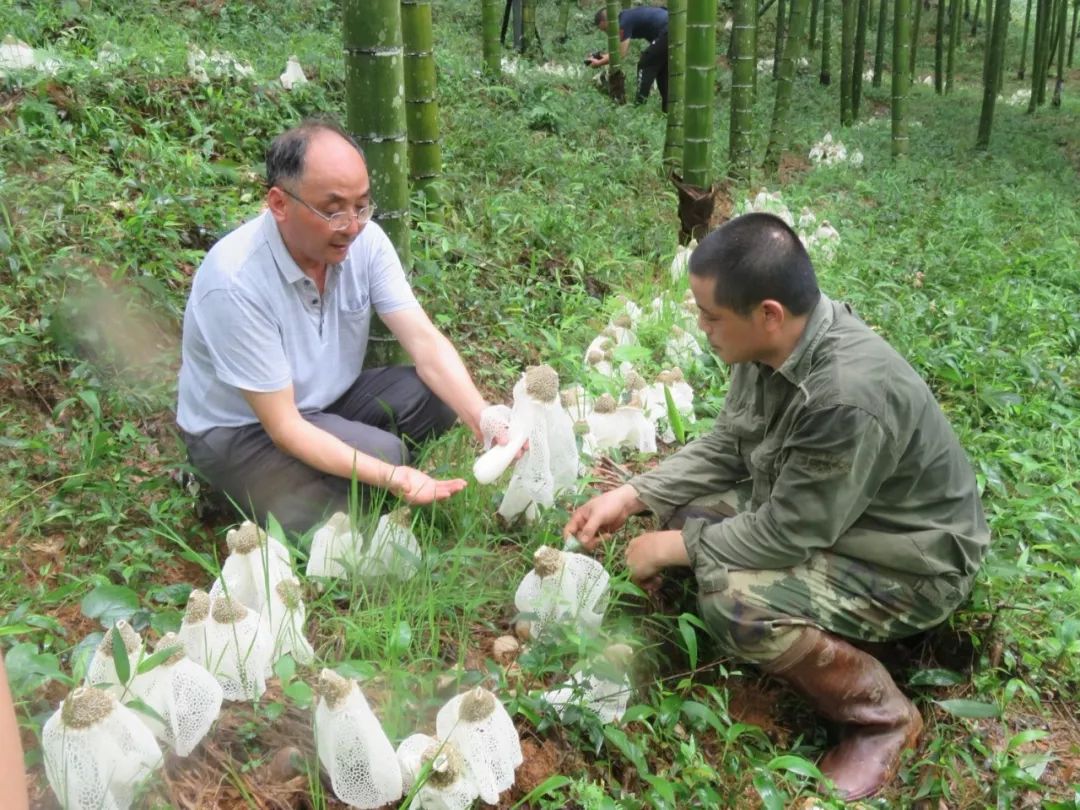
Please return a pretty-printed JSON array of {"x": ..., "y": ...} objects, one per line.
[
  {"x": 333, "y": 688},
  {"x": 167, "y": 641},
  {"x": 86, "y": 706},
  {"x": 666, "y": 377},
  {"x": 623, "y": 321},
  {"x": 130, "y": 637},
  {"x": 594, "y": 357},
  {"x": 478, "y": 704},
  {"x": 227, "y": 610},
  {"x": 547, "y": 561},
  {"x": 290, "y": 593},
  {"x": 619, "y": 655},
  {"x": 402, "y": 517},
  {"x": 198, "y": 607},
  {"x": 447, "y": 764},
  {"x": 245, "y": 539},
  {"x": 677, "y": 374},
  {"x": 605, "y": 403},
  {"x": 609, "y": 331},
  {"x": 542, "y": 383},
  {"x": 635, "y": 382},
  {"x": 581, "y": 427}
]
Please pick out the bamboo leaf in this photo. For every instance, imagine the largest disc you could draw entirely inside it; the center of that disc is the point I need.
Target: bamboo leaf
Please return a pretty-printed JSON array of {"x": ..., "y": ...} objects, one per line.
[
  {"x": 154, "y": 660},
  {"x": 549, "y": 785},
  {"x": 120, "y": 657},
  {"x": 674, "y": 417},
  {"x": 970, "y": 709}
]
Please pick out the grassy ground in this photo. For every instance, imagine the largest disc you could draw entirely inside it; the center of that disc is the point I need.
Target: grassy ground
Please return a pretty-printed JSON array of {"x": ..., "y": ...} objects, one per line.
[{"x": 114, "y": 181}]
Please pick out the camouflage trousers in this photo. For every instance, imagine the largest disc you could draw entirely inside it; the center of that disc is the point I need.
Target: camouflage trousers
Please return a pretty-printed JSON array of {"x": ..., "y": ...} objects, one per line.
[{"x": 758, "y": 615}]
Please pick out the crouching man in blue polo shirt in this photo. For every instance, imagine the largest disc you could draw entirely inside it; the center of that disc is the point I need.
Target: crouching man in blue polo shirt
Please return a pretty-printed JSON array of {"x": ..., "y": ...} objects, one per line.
[{"x": 275, "y": 405}]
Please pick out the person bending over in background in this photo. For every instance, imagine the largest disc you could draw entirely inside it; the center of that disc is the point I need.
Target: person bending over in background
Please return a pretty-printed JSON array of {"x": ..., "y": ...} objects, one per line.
[
  {"x": 651, "y": 24},
  {"x": 275, "y": 405},
  {"x": 831, "y": 500}
]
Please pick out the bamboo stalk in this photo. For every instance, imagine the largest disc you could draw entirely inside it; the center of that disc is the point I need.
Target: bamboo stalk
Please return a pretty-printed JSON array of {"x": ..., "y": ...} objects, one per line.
[
  {"x": 859, "y": 58},
  {"x": 743, "y": 68},
  {"x": 490, "y": 28},
  {"x": 990, "y": 84},
  {"x": 879, "y": 50},
  {"x": 785, "y": 83},
  {"x": 700, "y": 91},
  {"x": 826, "y": 42},
  {"x": 900, "y": 77},
  {"x": 616, "y": 78},
  {"x": 847, "y": 52},
  {"x": 939, "y": 49},
  {"x": 421, "y": 107},
  {"x": 673, "y": 138}
]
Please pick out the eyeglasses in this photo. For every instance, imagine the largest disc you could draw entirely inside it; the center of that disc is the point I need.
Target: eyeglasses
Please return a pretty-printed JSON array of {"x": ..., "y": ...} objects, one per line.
[{"x": 339, "y": 220}]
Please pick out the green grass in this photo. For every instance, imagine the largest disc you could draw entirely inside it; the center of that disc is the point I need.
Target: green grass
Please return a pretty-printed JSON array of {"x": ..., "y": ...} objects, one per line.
[{"x": 114, "y": 183}]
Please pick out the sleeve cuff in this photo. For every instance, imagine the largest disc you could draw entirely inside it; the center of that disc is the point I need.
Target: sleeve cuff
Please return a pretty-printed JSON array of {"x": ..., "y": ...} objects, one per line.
[
  {"x": 691, "y": 535},
  {"x": 657, "y": 506}
]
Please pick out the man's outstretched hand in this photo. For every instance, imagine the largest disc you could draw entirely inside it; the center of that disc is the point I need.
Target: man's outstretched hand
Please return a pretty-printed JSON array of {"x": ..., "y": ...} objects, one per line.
[
  {"x": 604, "y": 513},
  {"x": 419, "y": 488}
]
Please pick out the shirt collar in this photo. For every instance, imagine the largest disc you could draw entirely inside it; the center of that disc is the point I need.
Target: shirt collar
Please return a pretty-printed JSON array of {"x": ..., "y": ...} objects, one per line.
[{"x": 797, "y": 366}]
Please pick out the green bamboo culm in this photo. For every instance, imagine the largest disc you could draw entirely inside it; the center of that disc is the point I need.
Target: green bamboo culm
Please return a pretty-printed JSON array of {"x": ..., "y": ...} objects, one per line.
[
  {"x": 826, "y": 42},
  {"x": 859, "y": 57},
  {"x": 564, "y": 20},
  {"x": 421, "y": 107},
  {"x": 975, "y": 17},
  {"x": 1024, "y": 42},
  {"x": 815, "y": 5},
  {"x": 528, "y": 26},
  {"x": 743, "y": 67},
  {"x": 1039, "y": 55},
  {"x": 673, "y": 137},
  {"x": 1062, "y": 32},
  {"x": 940, "y": 35},
  {"x": 785, "y": 83},
  {"x": 915, "y": 25},
  {"x": 901, "y": 79},
  {"x": 987, "y": 36},
  {"x": 954, "y": 36},
  {"x": 375, "y": 109},
  {"x": 879, "y": 49},
  {"x": 990, "y": 83},
  {"x": 847, "y": 53},
  {"x": 490, "y": 27},
  {"x": 778, "y": 44},
  {"x": 1075, "y": 31},
  {"x": 700, "y": 91},
  {"x": 616, "y": 79}
]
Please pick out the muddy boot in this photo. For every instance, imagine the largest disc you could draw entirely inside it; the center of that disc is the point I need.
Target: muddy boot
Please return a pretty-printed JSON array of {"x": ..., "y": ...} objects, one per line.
[{"x": 850, "y": 687}]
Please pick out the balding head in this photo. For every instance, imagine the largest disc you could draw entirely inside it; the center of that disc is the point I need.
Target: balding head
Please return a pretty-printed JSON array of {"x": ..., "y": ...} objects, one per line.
[{"x": 286, "y": 157}]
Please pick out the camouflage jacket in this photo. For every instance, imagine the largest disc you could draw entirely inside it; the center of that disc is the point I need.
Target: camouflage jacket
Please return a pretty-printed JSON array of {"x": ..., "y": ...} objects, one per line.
[{"x": 846, "y": 450}]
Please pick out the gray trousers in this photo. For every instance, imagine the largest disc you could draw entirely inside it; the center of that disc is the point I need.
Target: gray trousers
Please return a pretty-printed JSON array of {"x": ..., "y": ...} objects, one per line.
[{"x": 384, "y": 411}]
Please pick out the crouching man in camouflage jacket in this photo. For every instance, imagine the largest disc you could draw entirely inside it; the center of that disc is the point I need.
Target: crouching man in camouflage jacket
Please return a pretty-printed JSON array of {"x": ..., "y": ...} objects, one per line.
[{"x": 831, "y": 500}]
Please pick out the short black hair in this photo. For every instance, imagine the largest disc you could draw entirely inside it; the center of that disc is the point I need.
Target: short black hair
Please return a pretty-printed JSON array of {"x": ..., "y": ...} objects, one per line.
[
  {"x": 755, "y": 257},
  {"x": 600, "y": 17},
  {"x": 286, "y": 153}
]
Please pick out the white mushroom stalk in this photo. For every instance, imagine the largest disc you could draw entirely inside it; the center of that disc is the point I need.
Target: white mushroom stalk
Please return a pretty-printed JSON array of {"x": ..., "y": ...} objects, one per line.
[
  {"x": 339, "y": 549},
  {"x": 237, "y": 649},
  {"x": 550, "y": 464},
  {"x": 477, "y": 724},
  {"x": 97, "y": 752},
  {"x": 449, "y": 785},
  {"x": 185, "y": 696},
  {"x": 352, "y": 746},
  {"x": 255, "y": 565},
  {"x": 604, "y": 688},
  {"x": 102, "y": 670},
  {"x": 563, "y": 588},
  {"x": 283, "y": 623},
  {"x": 614, "y": 426}
]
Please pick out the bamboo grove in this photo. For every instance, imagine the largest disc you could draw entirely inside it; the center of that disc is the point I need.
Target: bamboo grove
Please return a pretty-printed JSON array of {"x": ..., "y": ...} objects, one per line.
[{"x": 391, "y": 94}]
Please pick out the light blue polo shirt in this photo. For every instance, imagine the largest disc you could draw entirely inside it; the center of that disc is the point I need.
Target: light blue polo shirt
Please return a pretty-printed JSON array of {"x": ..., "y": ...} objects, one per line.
[{"x": 255, "y": 322}]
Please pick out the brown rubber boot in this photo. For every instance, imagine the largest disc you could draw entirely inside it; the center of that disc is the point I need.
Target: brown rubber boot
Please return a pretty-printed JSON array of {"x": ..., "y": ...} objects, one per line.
[{"x": 850, "y": 687}]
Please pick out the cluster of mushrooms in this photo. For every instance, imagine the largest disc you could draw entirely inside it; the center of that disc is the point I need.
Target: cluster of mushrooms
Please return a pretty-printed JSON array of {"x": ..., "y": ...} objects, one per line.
[{"x": 106, "y": 737}]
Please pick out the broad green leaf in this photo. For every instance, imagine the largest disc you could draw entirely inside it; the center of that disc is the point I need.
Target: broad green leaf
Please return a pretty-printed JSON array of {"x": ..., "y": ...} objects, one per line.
[
  {"x": 936, "y": 677},
  {"x": 661, "y": 786},
  {"x": 674, "y": 417},
  {"x": 689, "y": 635},
  {"x": 16, "y": 629},
  {"x": 699, "y": 711},
  {"x": 400, "y": 639},
  {"x": 156, "y": 658},
  {"x": 120, "y": 657},
  {"x": 1026, "y": 736},
  {"x": 766, "y": 788},
  {"x": 969, "y": 708},
  {"x": 285, "y": 668},
  {"x": 548, "y": 786},
  {"x": 109, "y": 604},
  {"x": 794, "y": 764},
  {"x": 299, "y": 693}
]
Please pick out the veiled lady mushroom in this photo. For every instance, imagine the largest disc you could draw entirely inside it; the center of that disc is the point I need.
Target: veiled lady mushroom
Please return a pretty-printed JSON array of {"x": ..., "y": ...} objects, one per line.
[
  {"x": 185, "y": 696},
  {"x": 255, "y": 565},
  {"x": 682, "y": 347},
  {"x": 338, "y": 549},
  {"x": 97, "y": 751},
  {"x": 353, "y": 748},
  {"x": 283, "y": 623},
  {"x": 562, "y": 587},
  {"x": 449, "y": 784},
  {"x": 102, "y": 670},
  {"x": 655, "y": 402},
  {"x": 613, "y": 426},
  {"x": 193, "y": 627},
  {"x": 477, "y": 724},
  {"x": 237, "y": 650},
  {"x": 603, "y": 688},
  {"x": 551, "y": 462}
]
